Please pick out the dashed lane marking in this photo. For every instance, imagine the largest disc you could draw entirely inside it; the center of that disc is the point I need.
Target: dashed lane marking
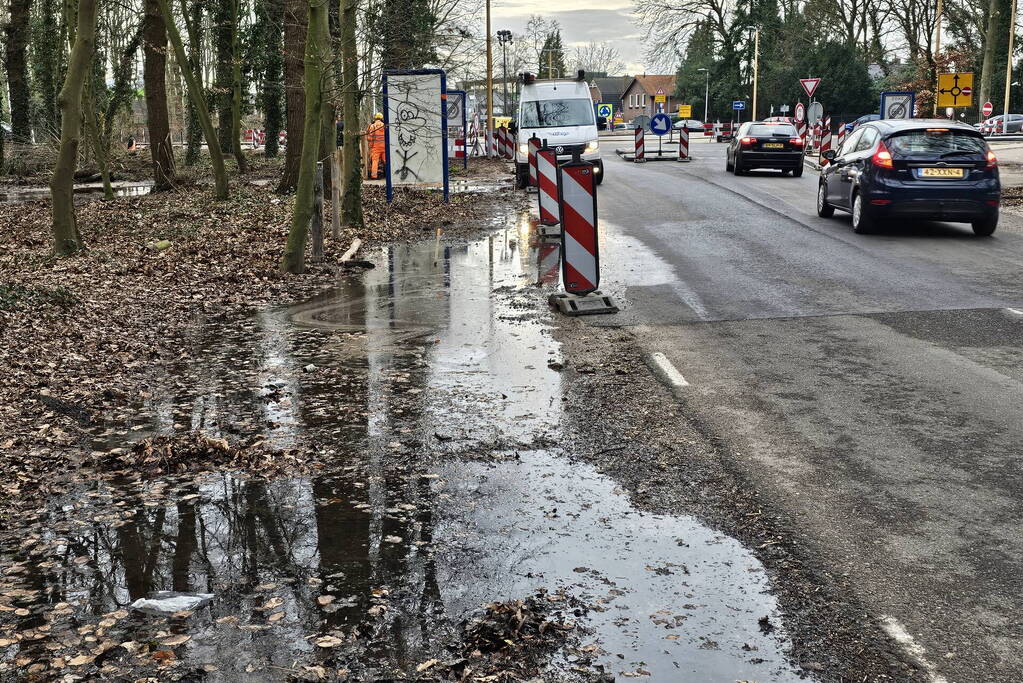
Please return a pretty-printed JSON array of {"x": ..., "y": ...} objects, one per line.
[
  {"x": 666, "y": 371},
  {"x": 899, "y": 634}
]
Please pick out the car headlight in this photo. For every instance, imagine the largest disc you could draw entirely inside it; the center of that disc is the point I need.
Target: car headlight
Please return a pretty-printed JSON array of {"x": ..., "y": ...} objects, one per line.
[
  {"x": 592, "y": 146},
  {"x": 524, "y": 149}
]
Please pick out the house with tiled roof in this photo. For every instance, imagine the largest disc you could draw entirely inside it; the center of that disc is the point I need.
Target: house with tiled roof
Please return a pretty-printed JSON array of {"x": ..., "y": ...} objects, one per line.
[{"x": 640, "y": 97}]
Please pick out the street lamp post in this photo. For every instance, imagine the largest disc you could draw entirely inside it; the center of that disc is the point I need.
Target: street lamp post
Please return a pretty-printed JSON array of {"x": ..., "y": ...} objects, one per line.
[
  {"x": 706, "y": 95},
  {"x": 504, "y": 37}
]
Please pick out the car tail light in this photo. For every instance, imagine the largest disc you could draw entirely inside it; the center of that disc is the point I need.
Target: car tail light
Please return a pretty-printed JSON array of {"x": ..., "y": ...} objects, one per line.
[
  {"x": 993, "y": 202},
  {"x": 992, "y": 160},
  {"x": 746, "y": 142},
  {"x": 882, "y": 157},
  {"x": 797, "y": 141}
]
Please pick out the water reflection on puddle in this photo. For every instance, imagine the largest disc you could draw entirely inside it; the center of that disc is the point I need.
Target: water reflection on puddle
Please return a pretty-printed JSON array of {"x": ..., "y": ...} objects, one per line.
[
  {"x": 14, "y": 195},
  {"x": 432, "y": 392}
]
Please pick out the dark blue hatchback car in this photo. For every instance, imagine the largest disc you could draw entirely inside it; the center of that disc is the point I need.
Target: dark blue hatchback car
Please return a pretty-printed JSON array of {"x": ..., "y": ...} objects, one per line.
[{"x": 912, "y": 169}]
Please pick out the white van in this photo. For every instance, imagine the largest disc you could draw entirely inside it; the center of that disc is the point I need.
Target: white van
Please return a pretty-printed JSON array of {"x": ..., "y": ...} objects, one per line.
[{"x": 560, "y": 111}]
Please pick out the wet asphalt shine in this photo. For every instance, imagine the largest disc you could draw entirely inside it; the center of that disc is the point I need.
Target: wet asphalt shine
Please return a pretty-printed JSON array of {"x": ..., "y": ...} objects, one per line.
[{"x": 869, "y": 387}]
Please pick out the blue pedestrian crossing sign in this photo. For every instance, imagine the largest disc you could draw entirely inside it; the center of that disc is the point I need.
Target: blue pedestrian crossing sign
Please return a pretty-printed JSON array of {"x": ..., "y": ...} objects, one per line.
[
  {"x": 660, "y": 124},
  {"x": 738, "y": 105},
  {"x": 604, "y": 109}
]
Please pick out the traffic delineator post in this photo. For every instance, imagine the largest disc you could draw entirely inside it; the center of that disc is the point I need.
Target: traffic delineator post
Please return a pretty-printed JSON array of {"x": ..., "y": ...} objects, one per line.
[
  {"x": 547, "y": 185},
  {"x": 683, "y": 144},
  {"x": 840, "y": 138},
  {"x": 640, "y": 153},
  {"x": 580, "y": 257},
  {"x": 534, "y": 147},
  {"x": 825, "y": 140},
  {"x": 459, "y": 148},
  {"x": 509, "y": 144},
  {"x": 492, "y": 149}
]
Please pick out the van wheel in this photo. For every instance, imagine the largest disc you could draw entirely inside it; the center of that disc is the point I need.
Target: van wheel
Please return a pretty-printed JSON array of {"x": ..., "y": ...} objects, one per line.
[
  {"x": 600, "y": 176},
  {"x": 986, "y": 226}
]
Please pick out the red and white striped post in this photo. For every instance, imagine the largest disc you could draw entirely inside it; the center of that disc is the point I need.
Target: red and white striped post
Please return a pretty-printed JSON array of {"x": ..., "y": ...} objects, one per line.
[
  {"x": 534, "y": 147},
  {"x": 640, "y": 154},
  {"x": 509, "y": 144},
  {"x": 825, "y": 140},
  {"x": 683, "y": 144},
  {"x": 577, "y": 201},
  {"x": 708, "y": 130},
  {"x": 547, "y": 184},
  {"x": 459, "y": 148},
  {"x": 840, "y": 138},
  {"x": 492, "y": 144}
]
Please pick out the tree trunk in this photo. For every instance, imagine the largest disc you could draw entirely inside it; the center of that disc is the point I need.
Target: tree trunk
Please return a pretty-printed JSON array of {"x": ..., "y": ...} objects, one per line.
[
  {"x": 351, "y": 201},
  {"x": 236, "y": 89},
  {"x": 96, "y": 139},
  {"x": 293, "y": 260},
  {"x": 193, "y": 24},
  {"x": 66, "y": 237},
  {"x": 16, "y": 65},
  {"x": 195, "y": 94},
  {"x": 273, "y": 94},
  {"x": 155, "y": 79},
  {"x": 316, "y": 222},
  {"x": 223, "y": 22},
  {"x": 991, "y": 38},
  {"x": 296, "y": 16}
]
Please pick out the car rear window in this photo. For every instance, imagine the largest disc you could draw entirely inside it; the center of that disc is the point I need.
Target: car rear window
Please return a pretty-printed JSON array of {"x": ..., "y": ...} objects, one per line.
[
  {"x": 935, "y": 143},
  {"x": 767, "y": 129}
]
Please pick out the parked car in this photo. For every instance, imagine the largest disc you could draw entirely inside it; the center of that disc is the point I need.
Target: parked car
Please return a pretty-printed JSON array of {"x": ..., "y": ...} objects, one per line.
[
  {"x": 993, "y": 125},
  {"x": 759, "y": 144},
  {"x": 849, "y": 127},
  {"x": 691, "y": 125},
  {"x": 917, "y": 168},
  {"x": 779, "y": 119}
]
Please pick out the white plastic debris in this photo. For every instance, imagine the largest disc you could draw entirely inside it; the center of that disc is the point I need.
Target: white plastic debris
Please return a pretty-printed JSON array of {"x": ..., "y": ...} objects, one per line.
[{"x": 168, "y": 602}]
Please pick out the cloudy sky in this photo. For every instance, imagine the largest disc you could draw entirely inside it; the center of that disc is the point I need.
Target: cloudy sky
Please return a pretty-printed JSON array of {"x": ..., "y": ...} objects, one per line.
[{"x": 582, "y": 21}]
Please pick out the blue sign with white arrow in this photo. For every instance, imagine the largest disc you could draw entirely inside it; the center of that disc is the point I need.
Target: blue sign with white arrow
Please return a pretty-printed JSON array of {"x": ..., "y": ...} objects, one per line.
[
  {"x": 660, "y": 124},
  {"x": 738, "y": 105}
]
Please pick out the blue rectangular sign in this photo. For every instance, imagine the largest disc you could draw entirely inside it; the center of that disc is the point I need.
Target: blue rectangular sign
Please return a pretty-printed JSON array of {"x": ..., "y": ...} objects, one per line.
[{"x": 738, "y": 104}]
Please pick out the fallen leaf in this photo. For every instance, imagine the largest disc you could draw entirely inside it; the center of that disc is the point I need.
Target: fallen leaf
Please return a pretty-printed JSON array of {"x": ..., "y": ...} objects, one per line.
[
  {"x": 164, "y": 656},
  {"x": 176, "y": 640},
  {"x": 325, "y": 600},
  {"x": 426, "y": 665},
  {"x": 328, "y": 641},
  {"x": 81, "y": 660},
  {"x": 276, "y": 616}
]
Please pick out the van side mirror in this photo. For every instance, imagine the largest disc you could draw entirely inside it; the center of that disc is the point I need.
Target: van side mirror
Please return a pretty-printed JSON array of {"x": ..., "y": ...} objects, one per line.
[{"x": 829, "y": 154}]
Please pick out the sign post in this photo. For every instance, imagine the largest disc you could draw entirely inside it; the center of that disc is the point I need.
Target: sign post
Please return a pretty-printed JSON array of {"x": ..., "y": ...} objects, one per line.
[
  {"x": 415, "y": 129},
  {"x": 660, "y": 125},
  {"x": 955, "y": 89}
]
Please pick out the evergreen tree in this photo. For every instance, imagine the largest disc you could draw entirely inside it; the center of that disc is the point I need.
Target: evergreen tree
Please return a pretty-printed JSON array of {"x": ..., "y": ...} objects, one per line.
[
  {"x": 552, "y": 56},
  {"x": 47, "y": 67},
  {"x": 406, "y": 34}
]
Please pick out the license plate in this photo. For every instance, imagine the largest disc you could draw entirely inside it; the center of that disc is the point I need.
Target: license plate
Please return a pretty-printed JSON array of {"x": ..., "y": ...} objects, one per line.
[
  {"x": 773, "y": 145},
  {"x": 941, "y": 172}
]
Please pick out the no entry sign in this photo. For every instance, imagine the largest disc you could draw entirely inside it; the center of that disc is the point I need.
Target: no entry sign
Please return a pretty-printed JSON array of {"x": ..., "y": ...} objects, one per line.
[{"x": 987, "y": 109}]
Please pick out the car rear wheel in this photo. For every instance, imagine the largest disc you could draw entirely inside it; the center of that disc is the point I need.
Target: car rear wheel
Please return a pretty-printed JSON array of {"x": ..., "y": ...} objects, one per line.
[
  {"x": 824, "y": 210},
  {"x": 737, "y": 167},
  {"x": 986, "y": 226},
  {"x": 728, "y": 164},
  {"x": 798, "y": 171},
  {"x": 862, "y": 221}
]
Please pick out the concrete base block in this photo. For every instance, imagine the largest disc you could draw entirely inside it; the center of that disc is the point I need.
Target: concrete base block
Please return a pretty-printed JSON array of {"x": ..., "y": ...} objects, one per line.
[{"x": 590, "y": 304}]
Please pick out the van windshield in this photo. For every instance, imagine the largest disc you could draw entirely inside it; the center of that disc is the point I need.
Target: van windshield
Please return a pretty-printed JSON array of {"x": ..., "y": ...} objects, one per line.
[{"x": 555, "y": 113}]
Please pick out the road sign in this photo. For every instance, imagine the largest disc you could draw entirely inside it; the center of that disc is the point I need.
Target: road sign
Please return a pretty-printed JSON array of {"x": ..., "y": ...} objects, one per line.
[
  {"x": 800, "y": 112},
  {"x": 660, "y": 97},
  {"x": 738, "y": 105},
  {"x": 949, "y": 111},
  {"x": 784, "y": 109},
  {"x": 577, "y": 203},
  {"x": 660, "y": 124},
  {"x": 955, "y": 90},
  {"x": 809, "y": 85},
  {"x": 685, "y": 111},
  {"x": 987, "y": 109},
  {"x": 897, "y": 105},
  {"x": 816, "y": 112},
  {"x": 604, "y": 109}
]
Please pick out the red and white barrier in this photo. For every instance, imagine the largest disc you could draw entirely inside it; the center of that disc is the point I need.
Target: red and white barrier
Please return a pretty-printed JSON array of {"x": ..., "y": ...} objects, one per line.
[
  {"x": 683, "y": 144},
  {"x": 509, "y": 144},
  {"x": 534, "y": 147},
  {"x": 459, "y": 148},
  {"x": 801, "y": 131},
  {"x": 501, "y": 145},
  {"x": 577, "y": 200},
  {"x": 547, "y": 183},
  {"x": 493, "y": 151},
  {"x": 640, "y": 146},
  {"x": 840, "y": 138},
  {"x": 825, "y": 140},
  {"x": 708, "y": 130}
]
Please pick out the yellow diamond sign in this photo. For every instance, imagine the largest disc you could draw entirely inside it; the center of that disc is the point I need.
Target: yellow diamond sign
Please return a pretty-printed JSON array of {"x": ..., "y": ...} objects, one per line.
[{"x": 955, "y": 90}]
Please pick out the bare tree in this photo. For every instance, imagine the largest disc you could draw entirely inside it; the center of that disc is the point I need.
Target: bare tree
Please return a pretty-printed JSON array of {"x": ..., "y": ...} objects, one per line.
[{"x": 597, "y": 57}]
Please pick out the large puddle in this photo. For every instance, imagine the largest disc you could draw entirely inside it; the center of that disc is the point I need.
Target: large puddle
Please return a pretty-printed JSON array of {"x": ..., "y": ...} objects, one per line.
[{"x": 450, "y": 488}]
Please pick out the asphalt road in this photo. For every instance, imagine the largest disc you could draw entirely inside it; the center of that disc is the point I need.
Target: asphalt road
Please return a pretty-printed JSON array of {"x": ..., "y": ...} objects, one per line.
[{"x": 871, "y": 384}]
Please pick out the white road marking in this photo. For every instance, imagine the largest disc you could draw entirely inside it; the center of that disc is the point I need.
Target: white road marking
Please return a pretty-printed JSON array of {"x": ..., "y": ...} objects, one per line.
[
  {"x": 898, "y": 632},
  {"x": 668, "y": 371},
  {"x": 1014, "y": 310}
]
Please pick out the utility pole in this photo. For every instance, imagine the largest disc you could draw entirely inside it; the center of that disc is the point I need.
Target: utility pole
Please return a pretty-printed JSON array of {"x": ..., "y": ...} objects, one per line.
[
  {"x": 490, "y": 84},
  {"x": 706, "y": 95},
  {"x": 1008, "y": 67},
  {"x": 937, "y": 49},
  {"x": 756, "y": 71}
]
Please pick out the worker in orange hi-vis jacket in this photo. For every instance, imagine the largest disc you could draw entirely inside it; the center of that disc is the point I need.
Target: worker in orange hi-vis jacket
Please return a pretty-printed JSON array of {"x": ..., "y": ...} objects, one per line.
[{"x": 375, "y": 137}]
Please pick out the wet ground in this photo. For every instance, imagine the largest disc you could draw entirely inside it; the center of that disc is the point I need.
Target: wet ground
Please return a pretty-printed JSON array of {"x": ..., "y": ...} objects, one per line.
[
  {"x": 13, "y": 194},
  {"x": 430, "y": 388}
]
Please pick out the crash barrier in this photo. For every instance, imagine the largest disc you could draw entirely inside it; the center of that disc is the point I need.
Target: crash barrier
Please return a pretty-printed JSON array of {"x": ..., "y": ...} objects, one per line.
[
  {"x": 534, "y": 147},
  {"x": 547, "y": 183},
  {"x": 640, "y": 153},
  {"x": 683, "y": 144},
  {"x": 825, "y": 140}
]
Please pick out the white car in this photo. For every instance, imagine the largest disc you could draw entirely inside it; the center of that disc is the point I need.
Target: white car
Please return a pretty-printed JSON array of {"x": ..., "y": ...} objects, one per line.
[{"x": 559, "y": 111}]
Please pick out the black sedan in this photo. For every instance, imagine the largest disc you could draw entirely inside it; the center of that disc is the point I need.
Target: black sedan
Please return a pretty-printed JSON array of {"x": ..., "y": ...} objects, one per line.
[
  {"x": 759, "y": 144},
  {"x": 916, "y": 168}
]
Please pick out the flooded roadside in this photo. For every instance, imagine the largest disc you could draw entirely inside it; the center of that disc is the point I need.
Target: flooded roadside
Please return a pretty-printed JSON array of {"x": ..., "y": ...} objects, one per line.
[
  {"x": 430, "y": 388},
  {"x": 14, "y": 195}
]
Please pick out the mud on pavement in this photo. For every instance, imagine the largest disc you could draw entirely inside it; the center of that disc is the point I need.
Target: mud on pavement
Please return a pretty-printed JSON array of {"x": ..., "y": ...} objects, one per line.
[{"x": 418, "y": 475}]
